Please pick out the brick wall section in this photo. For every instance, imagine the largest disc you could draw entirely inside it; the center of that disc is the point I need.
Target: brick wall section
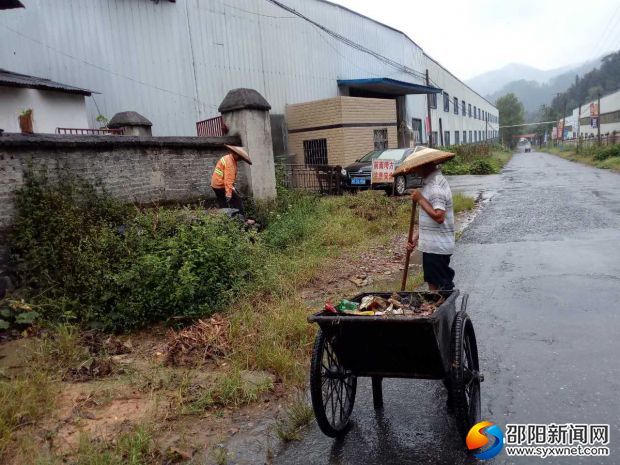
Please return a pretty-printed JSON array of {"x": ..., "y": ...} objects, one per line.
[
  {"x": 133, "y": 169},
  {"x": 344, "y": 144}
]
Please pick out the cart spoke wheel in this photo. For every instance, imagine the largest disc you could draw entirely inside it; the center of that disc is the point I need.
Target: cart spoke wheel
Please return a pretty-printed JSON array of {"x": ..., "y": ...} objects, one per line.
[
  {"x": 464, "y": 375},
  {"x": 332, "y": 387}
]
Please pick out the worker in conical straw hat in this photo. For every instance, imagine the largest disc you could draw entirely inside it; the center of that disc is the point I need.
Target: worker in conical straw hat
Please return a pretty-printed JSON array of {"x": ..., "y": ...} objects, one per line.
[
  {"x": 435, "y": 236},
  {"x": 224, "y": 177}
]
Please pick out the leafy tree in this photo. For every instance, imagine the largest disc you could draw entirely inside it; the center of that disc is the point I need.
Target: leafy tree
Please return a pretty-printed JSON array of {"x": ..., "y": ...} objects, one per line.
[
  {"x": 546, "y": 113},
  {"x": 603, "y": 80},
  {"x": 510, "y": 113}
]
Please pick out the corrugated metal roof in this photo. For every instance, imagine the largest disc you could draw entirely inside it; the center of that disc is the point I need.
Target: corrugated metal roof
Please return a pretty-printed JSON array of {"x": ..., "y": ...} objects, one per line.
[{"x": 11, "y": 79}]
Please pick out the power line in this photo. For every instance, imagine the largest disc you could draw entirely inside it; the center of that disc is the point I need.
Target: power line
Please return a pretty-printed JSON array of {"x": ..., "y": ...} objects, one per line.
[
  {"x": 351, "y": 43},
  {"x": 101, "y": 68},
  {"x": 527, "y": 124},
  {"x": 612, "y": 23},
  {"x": 259, "y": 14}
]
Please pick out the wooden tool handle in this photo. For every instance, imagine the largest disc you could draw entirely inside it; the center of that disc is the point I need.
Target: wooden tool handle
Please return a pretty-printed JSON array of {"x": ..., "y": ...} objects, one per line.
[{"x": 409, "y": 238}]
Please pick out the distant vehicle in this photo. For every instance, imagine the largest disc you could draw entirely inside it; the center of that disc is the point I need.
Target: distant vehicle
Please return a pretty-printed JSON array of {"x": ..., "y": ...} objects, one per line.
[
  {"x": 357, "y": 175},
  {"x": 524, "y": 145}
]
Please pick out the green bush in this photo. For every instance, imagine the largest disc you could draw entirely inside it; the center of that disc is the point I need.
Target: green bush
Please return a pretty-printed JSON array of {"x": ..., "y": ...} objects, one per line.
[
  {"x": 603, "y": 153},
  {"x": 85, "y": 257},
  {"x": 453, "y": 167},
  {"x": 482, "y": 167}
]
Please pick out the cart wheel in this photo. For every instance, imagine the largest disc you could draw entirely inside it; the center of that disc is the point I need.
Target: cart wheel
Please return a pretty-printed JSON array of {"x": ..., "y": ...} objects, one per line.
[
  {"x": 377, "y": 392},
  {"x": 465, "y": 376},
  {"x": 332, "y": 388}
]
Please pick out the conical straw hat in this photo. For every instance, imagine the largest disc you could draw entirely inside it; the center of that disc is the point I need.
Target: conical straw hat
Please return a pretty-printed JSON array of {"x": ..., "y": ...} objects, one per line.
[
  {"x": 241, "y": 152},
  {"x": 422, "y": 157}
]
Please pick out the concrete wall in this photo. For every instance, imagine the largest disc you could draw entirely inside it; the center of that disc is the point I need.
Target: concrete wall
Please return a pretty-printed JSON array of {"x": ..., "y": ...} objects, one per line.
[
  {"x": 133, "y": 169},
  {"x": 348, "y": 124},
  {"x": 51, "y": 109}
]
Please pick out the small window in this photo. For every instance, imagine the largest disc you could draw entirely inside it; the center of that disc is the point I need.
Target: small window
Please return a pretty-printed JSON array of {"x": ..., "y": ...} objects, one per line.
[
  {"x": 381, "y": 139},
  {"x": 475, "y": 111},
  {"x": 469, "y": 110},
  {"x": 446, "y": 138},
  {"x": 479, "y": 114},
  {"x": 433, "y": 140},
  {"x": 457, "y": 138},
  {"x": 463, "y": 107},
  {"x": 315, "y": 152},
  {"x": 470, "y": 139},
  {"x": 446, "y": 101},
  {"x": 433, "y": 100},
  {"x": 456, "y": 105},
  {"x": 464, "y": 137}
]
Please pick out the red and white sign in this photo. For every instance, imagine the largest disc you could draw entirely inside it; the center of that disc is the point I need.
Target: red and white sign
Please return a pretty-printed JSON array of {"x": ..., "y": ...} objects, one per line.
[
  {"x": 594, "y": 109},
  {"x": 382, "y": 171}
]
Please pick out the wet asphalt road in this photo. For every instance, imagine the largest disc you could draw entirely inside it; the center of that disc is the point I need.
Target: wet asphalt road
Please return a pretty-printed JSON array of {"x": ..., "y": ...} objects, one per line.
[{"x": 541, "y": 263}]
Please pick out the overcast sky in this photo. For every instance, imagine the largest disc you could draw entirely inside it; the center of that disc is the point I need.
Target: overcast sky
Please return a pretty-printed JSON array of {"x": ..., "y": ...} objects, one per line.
[{"x": 470, "y": 37}]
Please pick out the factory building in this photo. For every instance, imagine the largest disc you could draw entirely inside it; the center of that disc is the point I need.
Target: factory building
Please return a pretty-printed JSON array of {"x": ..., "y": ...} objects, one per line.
[
  {"x": 174, "y": 61},
  {"x": 583, "y": 121}
]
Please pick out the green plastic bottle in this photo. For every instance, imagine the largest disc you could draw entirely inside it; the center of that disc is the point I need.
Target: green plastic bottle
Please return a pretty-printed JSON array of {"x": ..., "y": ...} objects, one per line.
[{"x": 346, "y": 305}]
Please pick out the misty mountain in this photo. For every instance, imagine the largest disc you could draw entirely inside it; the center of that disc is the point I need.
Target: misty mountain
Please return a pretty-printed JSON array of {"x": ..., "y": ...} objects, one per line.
[
  {"x": 536, "y": 87},
  {"x": 492, "y": 81}
]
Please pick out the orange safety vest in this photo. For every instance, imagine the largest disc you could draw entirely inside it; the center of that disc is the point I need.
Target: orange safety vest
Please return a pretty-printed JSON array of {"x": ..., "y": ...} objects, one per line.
[{"x": 225, "y": 174}]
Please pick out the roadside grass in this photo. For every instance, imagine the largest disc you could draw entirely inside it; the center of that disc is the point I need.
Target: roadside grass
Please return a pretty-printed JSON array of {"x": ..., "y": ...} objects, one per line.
[
  {"x": 606, "y": 157},
  {"x": 476, "y": 159},
  {"x": 461, "y": 203},
  {"x": 24, "y": 400},
  {"x": 135, "y": 447},
  {"x": 58, "y": 351},
  {"x": 227, "y": 389},
  {"x": 297, "y": 415}
]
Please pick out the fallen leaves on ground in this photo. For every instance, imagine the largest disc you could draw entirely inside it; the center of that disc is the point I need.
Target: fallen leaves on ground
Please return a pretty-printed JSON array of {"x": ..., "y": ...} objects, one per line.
[{"x": 203, "y": 341}]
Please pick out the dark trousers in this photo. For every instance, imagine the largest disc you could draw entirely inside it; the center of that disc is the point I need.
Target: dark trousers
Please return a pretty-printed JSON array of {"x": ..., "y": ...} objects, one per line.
[
  {"x": 234, "y": 202},
  {"x": 437, "y": 271}
]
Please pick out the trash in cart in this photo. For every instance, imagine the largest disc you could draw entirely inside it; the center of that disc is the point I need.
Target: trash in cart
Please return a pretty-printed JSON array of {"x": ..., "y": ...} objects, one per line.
[{"x": 395, "y": 305}]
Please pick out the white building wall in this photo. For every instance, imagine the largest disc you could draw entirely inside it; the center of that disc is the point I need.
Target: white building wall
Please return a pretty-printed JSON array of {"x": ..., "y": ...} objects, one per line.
[
  {"x": 50, "y": 109},
  {"x": 174, "y": 62},
  {"x": 609, "y": 104},
  {"x": 458, "y": 122}
]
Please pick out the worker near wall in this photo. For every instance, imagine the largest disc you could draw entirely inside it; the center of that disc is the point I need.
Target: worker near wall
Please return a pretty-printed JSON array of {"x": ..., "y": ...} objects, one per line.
[{"x": 224, "y": 177}]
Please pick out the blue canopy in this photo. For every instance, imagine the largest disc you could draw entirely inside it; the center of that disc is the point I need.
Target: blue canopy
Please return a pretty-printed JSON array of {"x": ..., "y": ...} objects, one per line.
[{"x": 388, "y": 86}]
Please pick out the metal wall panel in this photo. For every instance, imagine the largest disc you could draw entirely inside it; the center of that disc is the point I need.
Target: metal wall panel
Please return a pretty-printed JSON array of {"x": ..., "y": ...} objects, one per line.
[{"x": 174, "y": 62}]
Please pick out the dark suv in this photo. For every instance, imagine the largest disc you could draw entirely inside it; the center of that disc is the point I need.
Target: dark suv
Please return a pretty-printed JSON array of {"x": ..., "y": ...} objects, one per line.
[{"x": 357, "y": 175}]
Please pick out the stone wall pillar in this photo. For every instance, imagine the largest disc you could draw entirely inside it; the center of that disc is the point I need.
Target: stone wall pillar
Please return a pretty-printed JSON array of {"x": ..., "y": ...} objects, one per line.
[
  {"x": 246, "y": 113},
  {"x": 132, "y": 124}
]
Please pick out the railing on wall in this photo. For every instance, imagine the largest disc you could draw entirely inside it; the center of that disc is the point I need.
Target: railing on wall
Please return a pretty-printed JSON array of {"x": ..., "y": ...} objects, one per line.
[
  {"x": 212, "y": 127},
  {"x": 323, "y": 179},
  {"x": 606, "y": 139},
  {"x": 82, "y": 131}
]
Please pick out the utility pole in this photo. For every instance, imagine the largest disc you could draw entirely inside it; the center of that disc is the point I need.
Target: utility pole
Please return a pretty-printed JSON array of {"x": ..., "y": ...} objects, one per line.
[
  {"x": 440, "y": 132},
  {"x": 564, "y": 119},
  {"x": 598, "y": 117},
  {"x": 428, "y": 109},
  {"x": 486, "y": 127},
  {"x": 579, "y": 128}
]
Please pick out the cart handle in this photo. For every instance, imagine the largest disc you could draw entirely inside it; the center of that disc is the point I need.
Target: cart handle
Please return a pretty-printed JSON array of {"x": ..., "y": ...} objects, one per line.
[{"x": 408, "y": 254}]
